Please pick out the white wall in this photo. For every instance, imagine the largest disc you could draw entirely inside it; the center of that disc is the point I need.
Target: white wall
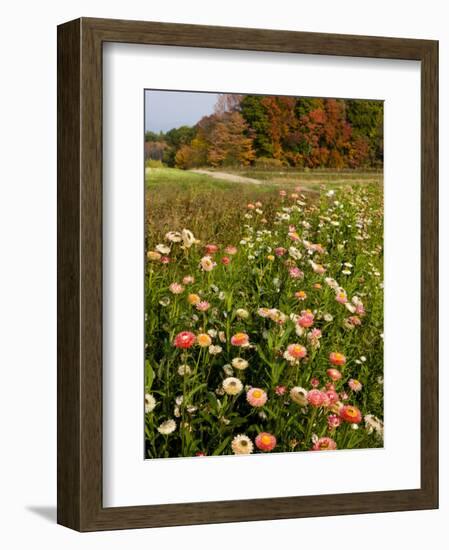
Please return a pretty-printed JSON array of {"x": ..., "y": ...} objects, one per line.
[{"x": 28, "y": 270}]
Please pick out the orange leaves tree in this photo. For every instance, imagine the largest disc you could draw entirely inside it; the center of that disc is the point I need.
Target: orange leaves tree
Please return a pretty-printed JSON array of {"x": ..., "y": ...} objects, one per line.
[
  {"x": 289, "y": 131},
  {"x": 221, "y": 140},
  {"x": 308, "y": 132}
]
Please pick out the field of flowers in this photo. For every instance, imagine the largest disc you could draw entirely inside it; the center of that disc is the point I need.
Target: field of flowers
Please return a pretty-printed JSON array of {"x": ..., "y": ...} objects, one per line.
[{"x": 264, "y": 322}]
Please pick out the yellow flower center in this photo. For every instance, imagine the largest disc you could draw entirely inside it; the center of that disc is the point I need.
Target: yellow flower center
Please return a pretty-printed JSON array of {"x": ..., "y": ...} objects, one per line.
[
  {"x": 265, "y": 439},
  {"x": 257, "y": 394}
]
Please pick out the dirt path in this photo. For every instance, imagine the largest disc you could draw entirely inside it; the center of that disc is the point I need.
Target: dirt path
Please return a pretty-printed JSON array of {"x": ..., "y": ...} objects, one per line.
[{"x": 227, "y": 177}]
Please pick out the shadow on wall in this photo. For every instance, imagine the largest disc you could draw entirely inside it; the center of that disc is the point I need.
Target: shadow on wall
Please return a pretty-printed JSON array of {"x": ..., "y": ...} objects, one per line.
[{"x": 46, "y": 512}]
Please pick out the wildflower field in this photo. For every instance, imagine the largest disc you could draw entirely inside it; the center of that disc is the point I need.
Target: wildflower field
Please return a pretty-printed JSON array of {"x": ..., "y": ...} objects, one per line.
[{"x": 264, "y": 314}]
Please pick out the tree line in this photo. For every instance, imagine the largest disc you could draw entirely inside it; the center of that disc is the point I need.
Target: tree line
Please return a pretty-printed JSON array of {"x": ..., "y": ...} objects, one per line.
[{"x": 276, "y": 131}]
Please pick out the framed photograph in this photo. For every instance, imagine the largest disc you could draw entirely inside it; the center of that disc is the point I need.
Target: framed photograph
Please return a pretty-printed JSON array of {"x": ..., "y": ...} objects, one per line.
[{"x": 247, "y": 274}]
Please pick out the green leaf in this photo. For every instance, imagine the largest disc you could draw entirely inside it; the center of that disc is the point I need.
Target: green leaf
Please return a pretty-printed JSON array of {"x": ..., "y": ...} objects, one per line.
[
  {"x": 221, "y": 447},
  {"x": 192, "y": 393},
  {"x": 149, "y": 375}
]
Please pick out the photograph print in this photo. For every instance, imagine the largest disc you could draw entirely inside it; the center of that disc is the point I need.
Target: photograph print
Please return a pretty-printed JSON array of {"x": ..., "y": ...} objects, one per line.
[{"x": 264, "y": 301}]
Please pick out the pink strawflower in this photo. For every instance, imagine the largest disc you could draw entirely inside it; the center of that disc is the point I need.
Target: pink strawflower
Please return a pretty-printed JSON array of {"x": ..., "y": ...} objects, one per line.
[
  {"x": 326, "y": 400},
  {"x": 293, "y": 235},
  {"x": 316, "y": 398},
  {"x": 250, "y": 206},
  {"x": 333, "y": 421},
  {"x": 188, "y": 280},
  {"x": 211, "y": 249},
  {"x": 334, "y": 374},
  {"x": 256, "y": 397},
  {"x": 184, "y": 340},
  {"x": 344, "y": 396},
  {"x": 225, "y": 260},
  {"x": 176, "y": 288},
  {"x": 165, "y": 260},
  {"x": 317, "y": 268},
  {"x": 282, "y": 193},
  {"x": 324, "y": 444},
  {"x": 295, "y": 273},
  {"x": 297, "y": 351},
  {"x": 280, "y": 251},
  {"x": 280, "y": 390},
  {"x": 306, "y": 319},
  {"x": 341, "y": 297},
  {"x": 240, "y": 339},
  {"x": 354, "y": 321},
  {"x": 355, "y": 385},
  {"x": 332, "y": 396},
  {"x": 314, "y": 382},
  {"x": 318, "y": 248},
  {"x": 202, "y": 306},
  {"x": 231, "y": 250},
  {"x": 314, "y": 337},
  {"x": 265, "y": 442},
  {"x": 207, "y": 264},
  {"x": 337, "y": 359},
  {"x": 359, "y": 307}
]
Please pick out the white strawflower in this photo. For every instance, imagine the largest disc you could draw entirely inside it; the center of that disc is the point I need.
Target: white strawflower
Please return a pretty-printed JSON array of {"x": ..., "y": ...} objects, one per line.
[
  {"x": 242, "y": 445},
  {"x": 374, "y": 424},
  {"x": 167, "y": 427},
  {"x": 232, "y": 386},
  {"x": 299, "y": 396},
  {"x": 207, "y": 263},
  {"x": 228, "y": 370},
  {"x": 150, "y": 403},
  {"x": 187, "y": 238},
  {"x": 239, "y": 363},
  {"x": 174, "y": 236},
  {"x": 242, "y": 313},
  {"x": 183, "y": 370},
  {"x": 215, "y": 350},
  {"x": 294, "y": 253},
  {"x": 163, "y": 248}
]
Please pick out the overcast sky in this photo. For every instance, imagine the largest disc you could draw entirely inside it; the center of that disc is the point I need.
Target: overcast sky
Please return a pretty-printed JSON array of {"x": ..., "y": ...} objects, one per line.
[{"x": 167, "y": 110}]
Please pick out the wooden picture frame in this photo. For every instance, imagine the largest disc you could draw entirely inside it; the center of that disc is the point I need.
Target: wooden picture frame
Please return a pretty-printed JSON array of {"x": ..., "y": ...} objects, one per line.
[{"x": 80, "y": 504}]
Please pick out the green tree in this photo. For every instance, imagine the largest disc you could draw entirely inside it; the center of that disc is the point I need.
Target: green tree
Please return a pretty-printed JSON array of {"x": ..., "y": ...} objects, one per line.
[
  {"x": 366, "y": 120},
  {"x": 255, "y": 114}
]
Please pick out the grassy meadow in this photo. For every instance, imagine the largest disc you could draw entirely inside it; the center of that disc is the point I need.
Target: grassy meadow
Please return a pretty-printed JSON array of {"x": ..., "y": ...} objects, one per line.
[{"x": 264, "y": 311}]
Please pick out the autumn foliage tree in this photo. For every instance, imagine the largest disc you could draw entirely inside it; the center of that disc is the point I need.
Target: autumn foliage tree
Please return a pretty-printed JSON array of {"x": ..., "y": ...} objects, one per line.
[
  {"x": 282, "y": 131},
  {"x": 221, "y": 140}
]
